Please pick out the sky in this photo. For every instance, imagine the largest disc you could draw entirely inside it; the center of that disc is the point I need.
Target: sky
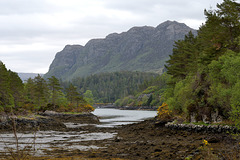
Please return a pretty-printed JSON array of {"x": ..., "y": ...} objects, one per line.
[{"x": 33, "y": 31}]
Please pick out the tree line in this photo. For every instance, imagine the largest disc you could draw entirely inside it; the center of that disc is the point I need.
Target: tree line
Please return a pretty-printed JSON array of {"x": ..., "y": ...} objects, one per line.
[
  {"x": 204, "y": 69},
  {"x": 108, "y": 87},
  {"x": 38, "y": 94},
  {"x": 148, "y": 94}
]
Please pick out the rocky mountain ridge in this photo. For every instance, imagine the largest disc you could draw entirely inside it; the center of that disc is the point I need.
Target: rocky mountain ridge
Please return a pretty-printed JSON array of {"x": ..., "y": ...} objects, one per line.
[{"x": 139, "y": 49}]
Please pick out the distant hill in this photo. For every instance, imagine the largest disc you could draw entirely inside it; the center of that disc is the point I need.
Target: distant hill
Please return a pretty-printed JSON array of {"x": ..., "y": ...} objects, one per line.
[
  {"x": 142, "y": 49},
  {"x": 26, "y": 76}
]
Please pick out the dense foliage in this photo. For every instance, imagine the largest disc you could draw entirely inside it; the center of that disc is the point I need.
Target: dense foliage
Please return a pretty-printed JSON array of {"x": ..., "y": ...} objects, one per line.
[
  {"x": 37, "y": 94},
  {"x": 205, "y": 69},
  {"x": 108, "y": 87},
  {"x": 149, "y": 93}
]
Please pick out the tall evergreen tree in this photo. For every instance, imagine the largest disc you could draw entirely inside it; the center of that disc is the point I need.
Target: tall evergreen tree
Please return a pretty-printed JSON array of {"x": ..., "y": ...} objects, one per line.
[
  {"x": 72, "y": 93},
  {"x": 54, "y": 86},
  {"x": 6, "y": 98},
  {"x": 40, "y": 91},
  {"x": 17, "y": 88},
  {"x": 29, "y": 91},
  {"x": 184, "y": 53}
]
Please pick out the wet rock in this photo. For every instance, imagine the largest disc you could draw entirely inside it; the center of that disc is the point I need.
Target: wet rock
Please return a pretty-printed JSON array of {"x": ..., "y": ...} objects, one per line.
[
  {"x": 213, "y": 140},
  {"x": 86, "y": 118},
  {"x": 158, "y": 150},
  {"x": 25, "y": 124}
]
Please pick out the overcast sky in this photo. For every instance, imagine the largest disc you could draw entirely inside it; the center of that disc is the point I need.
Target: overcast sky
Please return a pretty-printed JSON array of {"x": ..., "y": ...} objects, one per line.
[{"x": 33, "y": 31}]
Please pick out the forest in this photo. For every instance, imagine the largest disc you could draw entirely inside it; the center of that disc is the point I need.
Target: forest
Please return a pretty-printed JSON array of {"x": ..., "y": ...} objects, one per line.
[
  {"x": 39, "y": 94},
  {"x": 204, "y": 69},
  {"x": 108, "y": 87}
]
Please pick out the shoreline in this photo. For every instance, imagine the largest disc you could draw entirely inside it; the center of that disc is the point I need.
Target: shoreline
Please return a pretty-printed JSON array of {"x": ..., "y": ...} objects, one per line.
[
  {"x": 111, "y": 106},
  {"x": 150, "y": 139}
]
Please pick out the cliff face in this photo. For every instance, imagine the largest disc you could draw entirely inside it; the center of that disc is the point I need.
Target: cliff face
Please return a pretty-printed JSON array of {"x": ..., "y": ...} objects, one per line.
[{"x": 139, "y": 49}]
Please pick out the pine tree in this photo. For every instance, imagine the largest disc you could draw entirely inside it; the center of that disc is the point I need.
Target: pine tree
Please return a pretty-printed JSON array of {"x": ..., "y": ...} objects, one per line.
[
  {"x": 54, "y": 86},
  {"x": 29, "y": 91},
  {"x": 183, "y": 59},
  {"x": 17, "y": 88},
  {"x": 72, "y": 93},
  {"x": 6, "y": 98},
  {"x": 41, "y": 92}
]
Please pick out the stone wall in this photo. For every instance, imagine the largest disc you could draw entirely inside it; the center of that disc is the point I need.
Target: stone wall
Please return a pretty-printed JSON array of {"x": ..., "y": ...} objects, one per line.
[{"x": 203, "y": 128}]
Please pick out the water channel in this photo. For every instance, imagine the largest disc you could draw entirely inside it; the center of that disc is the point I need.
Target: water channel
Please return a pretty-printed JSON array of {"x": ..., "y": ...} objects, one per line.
[{"x": 48, "y": 140}]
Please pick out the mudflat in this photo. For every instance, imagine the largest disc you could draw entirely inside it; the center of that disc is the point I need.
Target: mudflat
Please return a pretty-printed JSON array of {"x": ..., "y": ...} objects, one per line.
[{"x": 148, "y": 139}]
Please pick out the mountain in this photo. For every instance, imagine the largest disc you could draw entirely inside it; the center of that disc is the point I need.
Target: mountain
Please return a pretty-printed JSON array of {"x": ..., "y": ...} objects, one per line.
[
  {"x": 26, "y": 76},
  {"x": 139, "y": 49}
]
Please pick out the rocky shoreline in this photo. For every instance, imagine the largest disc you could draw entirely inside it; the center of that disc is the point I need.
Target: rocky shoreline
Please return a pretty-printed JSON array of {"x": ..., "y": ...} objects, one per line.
[
  {"x": 150, "y": 139},
  {"x": 48, "y": 120}
]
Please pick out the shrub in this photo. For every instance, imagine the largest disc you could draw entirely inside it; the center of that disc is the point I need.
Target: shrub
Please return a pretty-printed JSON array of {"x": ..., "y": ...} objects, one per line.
[{"x": 163, "y": 112}]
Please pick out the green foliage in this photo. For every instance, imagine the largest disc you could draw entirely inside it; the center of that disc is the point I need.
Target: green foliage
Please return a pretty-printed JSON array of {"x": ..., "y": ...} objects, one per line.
[
  {"x": 72, "y": 93},
  {"x": 150, "y": 89},
  {"x": 41, "y": 93},
  {"x": 36, "y": 94},
  {"x": 184, "y": 53},
  {"x": 205, "y": 69},
  {"x": 7, "y": 84},
  {"x": 149, "y": 93},
  {"x": 54, "y": 86},
  {"x": 108, "y": 87},
  {"x": 88, "y": 96}
]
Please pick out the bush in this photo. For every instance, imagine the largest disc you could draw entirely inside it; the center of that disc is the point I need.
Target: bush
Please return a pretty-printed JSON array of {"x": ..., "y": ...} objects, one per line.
[{"x": 163, "y": 112}]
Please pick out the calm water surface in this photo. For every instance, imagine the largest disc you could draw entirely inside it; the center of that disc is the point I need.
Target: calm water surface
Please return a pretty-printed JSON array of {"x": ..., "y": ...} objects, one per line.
[{"x": 116, "y": 117}]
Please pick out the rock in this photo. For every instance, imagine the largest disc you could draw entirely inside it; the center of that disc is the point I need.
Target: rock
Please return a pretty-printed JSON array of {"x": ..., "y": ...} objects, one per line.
[
  {"x": 47, "y": 112},
  {"x": 193, "y": 117},
  {"x": 129, "y": 50},
  {"x": 3, "y": 118},
  {"x": 157, "y": 150},
  {"x": 213, "y": 140},
  {"x": 24, "y": 124},
  {"x": 88, "y": 118}
]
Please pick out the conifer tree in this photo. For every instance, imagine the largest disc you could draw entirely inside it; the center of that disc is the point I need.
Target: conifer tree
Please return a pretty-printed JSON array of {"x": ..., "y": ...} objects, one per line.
[
  {"x": 17, "y": 88},
  {"x": 6, "y": 98},
  {"x": 40, "y": 91},
  {"x": 54, "y": 86},
  {"x": 72, "y": 93}
]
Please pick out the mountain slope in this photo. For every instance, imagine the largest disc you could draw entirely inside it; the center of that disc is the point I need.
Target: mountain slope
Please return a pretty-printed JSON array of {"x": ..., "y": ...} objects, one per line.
[{"x": 139, "y": 49}]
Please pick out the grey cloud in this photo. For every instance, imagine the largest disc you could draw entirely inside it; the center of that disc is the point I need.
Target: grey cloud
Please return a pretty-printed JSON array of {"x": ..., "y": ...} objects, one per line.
[
  {"x": 9, "y": 7},
  {"x": 175, "y": 9},
  {"x": 23, "y": 23}
]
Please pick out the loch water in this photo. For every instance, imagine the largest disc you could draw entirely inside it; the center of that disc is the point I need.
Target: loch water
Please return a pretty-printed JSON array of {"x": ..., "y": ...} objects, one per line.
[{"x": 48, "y": 140}]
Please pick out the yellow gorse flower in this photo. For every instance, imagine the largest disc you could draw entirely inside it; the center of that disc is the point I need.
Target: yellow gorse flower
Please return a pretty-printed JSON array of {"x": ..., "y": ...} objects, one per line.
[
  {"x": 163, "y": 111},
  {"x": 205, "y": 142}
]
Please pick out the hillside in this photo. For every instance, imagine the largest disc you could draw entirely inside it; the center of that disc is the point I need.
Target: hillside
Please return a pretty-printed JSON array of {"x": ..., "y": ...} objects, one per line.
[
  {"x": 139, "y": 49},
  {"x": 108, "y": 87}
]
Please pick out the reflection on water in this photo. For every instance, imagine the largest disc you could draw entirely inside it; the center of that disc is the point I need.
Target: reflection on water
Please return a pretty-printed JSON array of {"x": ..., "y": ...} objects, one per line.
[{"x": 116, "y": 117}]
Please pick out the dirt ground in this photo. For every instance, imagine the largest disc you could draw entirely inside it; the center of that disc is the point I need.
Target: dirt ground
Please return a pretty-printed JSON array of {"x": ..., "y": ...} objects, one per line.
[{"x": 146, "y": 140}]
